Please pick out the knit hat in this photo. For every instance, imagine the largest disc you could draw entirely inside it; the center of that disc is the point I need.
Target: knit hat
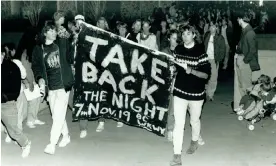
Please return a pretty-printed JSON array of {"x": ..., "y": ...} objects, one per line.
[
  {"x": 58, "y": 15},
  {"x": 79, "y": 17}
]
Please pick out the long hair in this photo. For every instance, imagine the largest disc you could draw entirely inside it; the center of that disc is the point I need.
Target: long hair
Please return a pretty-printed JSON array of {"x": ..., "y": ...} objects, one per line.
[
  {"x": 105, "y": 23},
  {"x": 48, "y": 25}
]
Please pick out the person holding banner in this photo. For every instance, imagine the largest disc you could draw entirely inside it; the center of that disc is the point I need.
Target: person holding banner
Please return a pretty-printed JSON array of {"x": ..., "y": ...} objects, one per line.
[
  {"x": 193, "y": 72},
  {"x": 49, "y": 72},
  {"x": 101, "y": 23},
  {"x": 173, "y": 34}
]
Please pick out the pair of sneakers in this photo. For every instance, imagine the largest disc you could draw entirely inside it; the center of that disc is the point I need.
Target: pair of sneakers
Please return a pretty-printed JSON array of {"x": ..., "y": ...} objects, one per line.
[
  {"x": 100, "y": 128},
  {"x": 35, "y": 122},
  {"x": 50, "y": 148}
]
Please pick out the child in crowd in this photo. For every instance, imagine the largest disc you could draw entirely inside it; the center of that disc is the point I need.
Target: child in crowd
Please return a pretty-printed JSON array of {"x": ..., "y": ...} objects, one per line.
[
  {"x": 270, "y": 101},
  {"x": 252, "y": 103}
]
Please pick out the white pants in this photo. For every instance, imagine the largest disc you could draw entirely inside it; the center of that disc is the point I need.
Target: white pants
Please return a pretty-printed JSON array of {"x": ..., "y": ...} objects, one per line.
[
  {"x": 58, "y": 100},
  {"x": 212, "y": 84},
  {"x": 180, "y": 110}
]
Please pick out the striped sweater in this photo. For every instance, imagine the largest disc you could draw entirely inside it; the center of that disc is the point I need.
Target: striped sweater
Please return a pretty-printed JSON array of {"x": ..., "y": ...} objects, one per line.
[{"x": 189, "y": 86}]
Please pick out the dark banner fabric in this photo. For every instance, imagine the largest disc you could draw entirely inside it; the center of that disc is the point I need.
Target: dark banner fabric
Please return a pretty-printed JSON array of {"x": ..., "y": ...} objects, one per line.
[{"x": 122, "y": 80}]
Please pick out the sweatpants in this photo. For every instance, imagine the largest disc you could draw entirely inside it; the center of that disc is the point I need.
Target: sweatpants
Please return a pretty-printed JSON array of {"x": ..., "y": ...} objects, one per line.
[
  {"x": 212, "y": 84},
  {"x": 9, "y": 117},
  {"x": 58, "y": 100},
  {"x": 180, "y": 110}
]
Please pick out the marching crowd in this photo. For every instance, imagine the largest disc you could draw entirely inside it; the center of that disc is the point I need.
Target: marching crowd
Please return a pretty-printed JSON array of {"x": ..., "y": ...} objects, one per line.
[{"x": 200, "y": 43}]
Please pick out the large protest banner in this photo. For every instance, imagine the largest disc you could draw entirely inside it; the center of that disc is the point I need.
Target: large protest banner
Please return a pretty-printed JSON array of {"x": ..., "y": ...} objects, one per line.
[{"x": 122, "y": 80}]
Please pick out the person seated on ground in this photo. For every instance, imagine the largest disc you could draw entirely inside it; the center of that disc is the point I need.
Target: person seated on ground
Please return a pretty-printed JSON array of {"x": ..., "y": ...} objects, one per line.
[
  {"x": 270, "y": 97},
  {"x": 253, "y": 96}
]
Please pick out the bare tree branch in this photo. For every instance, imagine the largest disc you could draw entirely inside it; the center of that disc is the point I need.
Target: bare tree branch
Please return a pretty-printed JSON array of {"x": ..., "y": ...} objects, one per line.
[
  {"x": 5, "y": 9},
  {"x": 33, "y": 9},
  {"x": 95, "y": 9},
  {"x": 67, "y": 6}
]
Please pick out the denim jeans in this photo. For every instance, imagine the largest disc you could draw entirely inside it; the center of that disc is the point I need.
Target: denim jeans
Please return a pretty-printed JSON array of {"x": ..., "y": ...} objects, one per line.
[{"x": 9, "y": 117}]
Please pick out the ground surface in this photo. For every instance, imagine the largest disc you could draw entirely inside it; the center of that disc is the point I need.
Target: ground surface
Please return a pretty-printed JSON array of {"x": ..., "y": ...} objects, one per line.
[{"x": 228, "y": 143}]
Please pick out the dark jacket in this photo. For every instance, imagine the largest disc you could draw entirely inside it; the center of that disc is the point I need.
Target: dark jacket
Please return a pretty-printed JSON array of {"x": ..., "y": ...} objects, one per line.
[
  {"x": 10, "y": 81},
  {"x": 39, "y": 69},
  {"x": 229, "y": 35},
  {"x": 66, "y": 51},
  {"x": 219, "y": 46},
  {"x": 248, "y": 46}
]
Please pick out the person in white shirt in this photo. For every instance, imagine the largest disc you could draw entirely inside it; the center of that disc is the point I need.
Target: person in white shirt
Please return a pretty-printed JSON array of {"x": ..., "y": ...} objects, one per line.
[
  {"x": 147, "y": 38},
  {"x": 215, "y": 49}
]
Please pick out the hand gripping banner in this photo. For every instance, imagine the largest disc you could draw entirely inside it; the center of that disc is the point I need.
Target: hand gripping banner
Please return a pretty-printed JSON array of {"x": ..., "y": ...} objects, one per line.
[{"x": 122, "y": 80}]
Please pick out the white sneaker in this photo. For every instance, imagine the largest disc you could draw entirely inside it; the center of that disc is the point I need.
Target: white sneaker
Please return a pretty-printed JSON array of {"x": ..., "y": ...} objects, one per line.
[
  {"x": 83, "y": 134},
  {"x": 26, "y": 150},
  {"x": 39, "y": 122},
  {"x": 120, "y": 124},
  {"x": 30, "y": 125},
  {"x": 50, "y": 149},
  {"x": 100, "y": 127},
  {"x": 65, "y": 140},
  {"x": 8, "y": 139}
]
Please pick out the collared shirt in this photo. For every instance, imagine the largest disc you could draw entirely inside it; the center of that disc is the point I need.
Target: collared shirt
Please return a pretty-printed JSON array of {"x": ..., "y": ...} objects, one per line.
[{"x": 210, "y": 48}]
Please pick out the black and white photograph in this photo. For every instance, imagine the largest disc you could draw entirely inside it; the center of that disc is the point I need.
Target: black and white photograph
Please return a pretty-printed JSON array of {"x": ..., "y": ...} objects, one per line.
[{"x": 138, "y": 83}]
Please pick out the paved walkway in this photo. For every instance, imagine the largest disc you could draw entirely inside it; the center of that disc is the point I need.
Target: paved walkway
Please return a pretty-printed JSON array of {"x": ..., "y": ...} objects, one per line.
[{"x": 228, "y": 143}]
